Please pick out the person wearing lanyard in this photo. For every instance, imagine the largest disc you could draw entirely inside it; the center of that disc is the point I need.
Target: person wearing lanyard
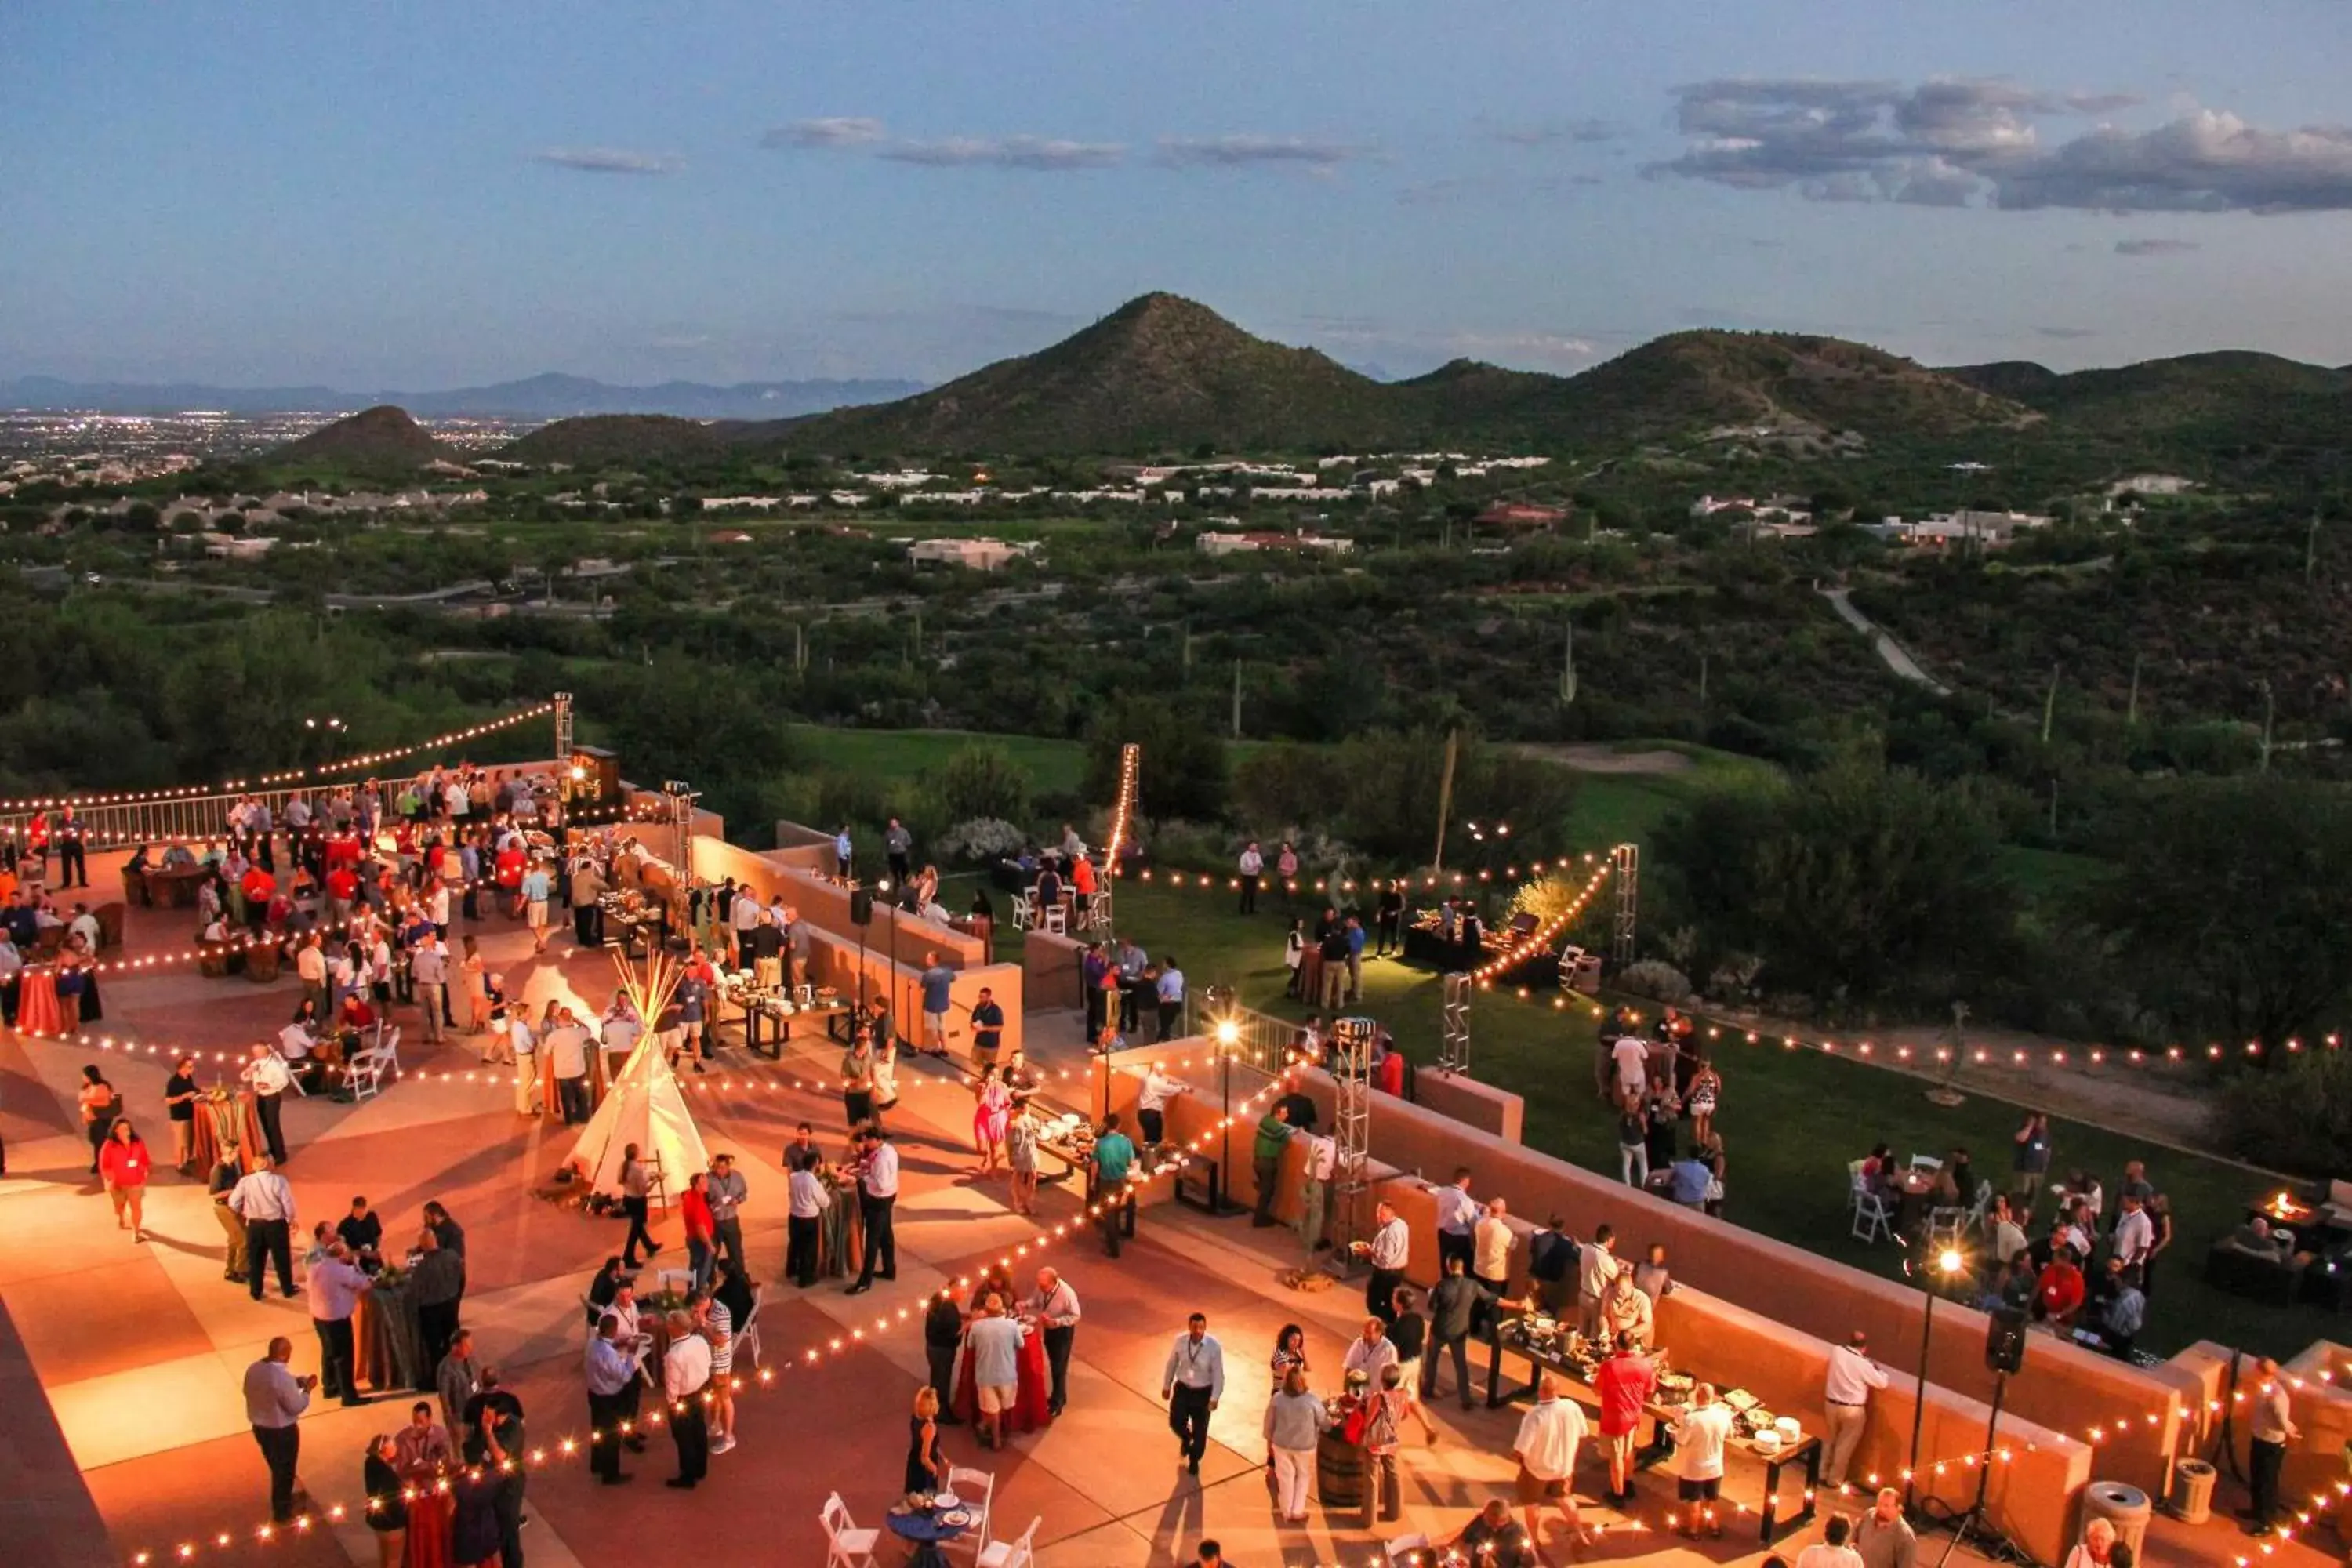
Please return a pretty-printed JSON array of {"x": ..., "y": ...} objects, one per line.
[
  {"x": 878, "y": 1195},
  {"x": 270, "y": 1078},
  {"x": 1055, "y": 1306},
  {"x": 1192, "y": 1384},
  {"x": 1845, "y": 1398},
  {"x": 1391, "y": 1245}
]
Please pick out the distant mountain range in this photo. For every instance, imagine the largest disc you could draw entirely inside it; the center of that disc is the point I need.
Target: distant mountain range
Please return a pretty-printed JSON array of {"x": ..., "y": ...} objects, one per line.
[
  {"x": 1164, "y": 376},
  {"x": 549, "y": 396}
]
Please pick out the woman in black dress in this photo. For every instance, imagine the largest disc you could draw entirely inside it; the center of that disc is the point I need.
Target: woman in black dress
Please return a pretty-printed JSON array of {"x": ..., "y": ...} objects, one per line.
[
  {"x": 387, "y": 1506},
  {"x": 927, "y": 1468}
]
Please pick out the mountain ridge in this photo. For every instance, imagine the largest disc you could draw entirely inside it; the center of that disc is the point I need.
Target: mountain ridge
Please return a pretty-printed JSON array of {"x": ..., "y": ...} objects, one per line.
[{"x": 549, "y": 394}]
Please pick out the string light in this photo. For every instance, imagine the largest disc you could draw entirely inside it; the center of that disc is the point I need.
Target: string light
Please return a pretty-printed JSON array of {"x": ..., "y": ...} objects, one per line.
[{"x": 230, "y": 787}]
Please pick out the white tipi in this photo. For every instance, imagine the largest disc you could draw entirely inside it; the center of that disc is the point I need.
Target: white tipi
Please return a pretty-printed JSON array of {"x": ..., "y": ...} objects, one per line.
[{"x": 643, "y": 1106}]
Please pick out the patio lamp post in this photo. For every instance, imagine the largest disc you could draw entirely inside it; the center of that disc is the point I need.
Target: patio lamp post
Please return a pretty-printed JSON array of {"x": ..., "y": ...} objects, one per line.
[
  {"x": 1229, "y": 1034},
  {"x": 1944, "y": 1267}
]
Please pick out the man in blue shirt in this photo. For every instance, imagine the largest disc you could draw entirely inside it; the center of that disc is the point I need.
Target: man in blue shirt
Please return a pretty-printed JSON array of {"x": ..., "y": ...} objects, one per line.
[
  {"x": 1114, "y": 1159},
  {"x": 1171, "y": 995},
  {"x": 1355, "y": 929},
  {"x": 987, "y": 1027},
  {"x": 1092, "y": 967},
  {"x": 535, "y": 888},
  {"x": 939, "y": 983},
  {"x": 1687, "y": 1181}
]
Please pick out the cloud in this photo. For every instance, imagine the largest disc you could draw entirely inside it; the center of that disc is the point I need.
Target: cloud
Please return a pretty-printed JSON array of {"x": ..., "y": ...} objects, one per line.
[
  {"x": 1974, "y": 141},
  {"x": 871, "y": 138},
  {"x": 1588, "y": 131},
  {"x": 1310, "y": 152},
  {"x": 2100, "y": 102},
  {"x": 1004, "y": 152},
  {"x": 608, "y": 161},
  {"x": 2066, "y": 335},
  {"x": 833, "y": 132},
  {"x": 2155, "y": 247}
]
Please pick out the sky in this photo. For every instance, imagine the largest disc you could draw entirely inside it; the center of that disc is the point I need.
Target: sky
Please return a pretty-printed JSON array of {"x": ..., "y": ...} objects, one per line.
[{"x": 434, "y": 194}]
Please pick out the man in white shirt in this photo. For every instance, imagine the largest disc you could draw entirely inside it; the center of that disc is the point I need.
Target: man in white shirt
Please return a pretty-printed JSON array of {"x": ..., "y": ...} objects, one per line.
[
  {"x": 1845, "y": 1404},
  {"x": 1457, "y": 1215},
  {"x": 1192, "y": 1384},
  {"x": 1252, "y": 867},
  {"x": 1832, "y": 1551},
  {"x": 1056, "y": 1307},
  {"x": 1391, "y": 1245},
  {"x": 262, "y": 1199},
  {"x": 275, "y": 1399},
  {"x": 1596, "y": 1266},
  {"x": 2271, "y": 1430},
  {"x": 993, "y": 1343},
  {"x": 878, "y": 1199},
  {"x": 1369, "y": 1352},
  {"x": 566, "y": 1046},
  {"x": 428, "y": 971},
  {"x": 805, "y": 1203},
  {"x": 1546, "y": 1451},
  {"x": 525, "y": 1046},
  {"x": 269, "y": 1079},
  {"x": 1152, "y": 1102},
  {"x": 1632, "y": 1056},
  {"x": 2134, "y": 1234},
  {"x": 745, "y": 917},
  {"x": 335, "y": 1285},
  {"x": 686, "y": 1379},
  {"x": 622, "y": 1028},
  {"x": 1491, "y": 1245},
  {"x": 1700, "y": 1438}
]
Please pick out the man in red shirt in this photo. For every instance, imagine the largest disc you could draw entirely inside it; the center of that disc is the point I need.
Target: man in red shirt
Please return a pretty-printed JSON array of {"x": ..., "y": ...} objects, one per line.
[
  {"x": 2058, "y": 1293},
  {"x": 1626, "y": 1382}
]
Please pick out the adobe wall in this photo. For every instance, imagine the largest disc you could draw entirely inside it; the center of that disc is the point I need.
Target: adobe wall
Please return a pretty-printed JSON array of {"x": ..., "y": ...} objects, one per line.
[
  {"x": 826, "y": 906},
  {"x": 1471, "y": 1103},
  {"x": 1779, "y": 1360},
  {"x": 834, "y": 961},
  {"x": 2142, "y": 1419},
  {"x": 1049, "y": 969}
]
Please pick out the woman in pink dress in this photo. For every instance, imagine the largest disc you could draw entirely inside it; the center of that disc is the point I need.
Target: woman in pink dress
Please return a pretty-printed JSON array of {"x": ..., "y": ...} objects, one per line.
[{"x": 991, "y": 1111}]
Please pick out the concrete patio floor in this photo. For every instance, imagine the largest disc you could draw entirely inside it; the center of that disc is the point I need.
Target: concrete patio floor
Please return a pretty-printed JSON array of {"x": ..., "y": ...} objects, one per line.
[{"x": 139, "y": 1349}]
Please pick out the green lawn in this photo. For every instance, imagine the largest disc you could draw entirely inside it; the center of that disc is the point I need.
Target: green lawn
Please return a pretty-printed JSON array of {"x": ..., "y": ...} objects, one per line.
[
  {"x": 1791, "y": 1120},
  {"x": 1054, "y": 766}
]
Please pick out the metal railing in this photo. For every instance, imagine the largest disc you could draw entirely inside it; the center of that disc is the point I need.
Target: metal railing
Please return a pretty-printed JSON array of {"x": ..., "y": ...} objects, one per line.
[{"x": 111, "y": 825}]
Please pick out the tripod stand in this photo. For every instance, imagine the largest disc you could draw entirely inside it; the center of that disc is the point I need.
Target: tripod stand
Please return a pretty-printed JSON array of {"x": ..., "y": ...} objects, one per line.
[{"x": 1974, "y": 1517}]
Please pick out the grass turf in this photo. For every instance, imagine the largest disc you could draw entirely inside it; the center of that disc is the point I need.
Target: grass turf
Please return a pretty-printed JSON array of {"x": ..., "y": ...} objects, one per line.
[{"x": 1790, "y": 1118}]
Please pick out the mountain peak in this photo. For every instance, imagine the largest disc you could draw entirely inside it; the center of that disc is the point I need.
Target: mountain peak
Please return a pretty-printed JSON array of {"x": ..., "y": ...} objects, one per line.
[{"x": 383, "y": 437}]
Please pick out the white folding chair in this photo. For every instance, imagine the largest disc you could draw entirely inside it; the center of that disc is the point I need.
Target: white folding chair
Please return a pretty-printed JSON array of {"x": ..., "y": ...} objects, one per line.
[
  {"x": 1010, "y": 1553},
  {"x": 680, "y": 1280},
  {"x": 1024, "y": 910},
  {"x": 975, "y": 1490},
  {"x": 847, "y": 1545},
  {"x": 1406, "y": 1549},
  {"x": 747, "y": 1337},
  {"x": 364, "y": 1074},
  {"x": 389, "y": 1045},
  {"x": 1057, "y": 918},
  {"x": 1872, "y": 1219},
  {"x": 1979, "y": 1209}
]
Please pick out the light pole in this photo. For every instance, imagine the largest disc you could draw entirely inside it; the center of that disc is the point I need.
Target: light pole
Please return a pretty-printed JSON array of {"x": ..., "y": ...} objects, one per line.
[{"x": 1946, "y": 1264}]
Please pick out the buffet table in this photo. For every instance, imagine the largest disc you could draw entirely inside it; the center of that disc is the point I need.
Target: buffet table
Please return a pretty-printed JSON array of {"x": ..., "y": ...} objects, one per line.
[
  {"x": 1549, "y": 1347},
  {"x": 767, "y": 1018}
]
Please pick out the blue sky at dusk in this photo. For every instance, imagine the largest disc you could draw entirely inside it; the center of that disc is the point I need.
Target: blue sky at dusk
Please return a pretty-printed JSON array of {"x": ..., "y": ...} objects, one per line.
[{"x": 428, "y": 195}]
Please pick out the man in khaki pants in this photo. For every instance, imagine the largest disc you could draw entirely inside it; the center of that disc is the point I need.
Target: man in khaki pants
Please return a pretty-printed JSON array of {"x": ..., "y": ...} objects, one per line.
[{"x": 1845, "y": 1404}]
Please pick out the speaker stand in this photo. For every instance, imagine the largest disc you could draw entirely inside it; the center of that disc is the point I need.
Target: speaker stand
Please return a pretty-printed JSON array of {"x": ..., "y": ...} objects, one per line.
[{"x": 1975, "y": 1517}]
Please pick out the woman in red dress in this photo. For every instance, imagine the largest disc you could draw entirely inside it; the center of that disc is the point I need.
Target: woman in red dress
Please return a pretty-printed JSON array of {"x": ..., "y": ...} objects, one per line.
[{"x": 124, "y": 1163}]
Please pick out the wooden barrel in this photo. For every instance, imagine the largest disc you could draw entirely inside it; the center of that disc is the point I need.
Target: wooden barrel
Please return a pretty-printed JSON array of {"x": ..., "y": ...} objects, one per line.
[
  {"x": 261, "y": 962},
  {"x": 1339, "y": 1472},
  {"x": 212, "y": 958}
]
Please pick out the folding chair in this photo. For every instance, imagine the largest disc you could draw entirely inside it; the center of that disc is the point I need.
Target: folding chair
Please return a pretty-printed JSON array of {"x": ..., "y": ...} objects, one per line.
[
  {"x": 847, "y": 1546},
  {"x": 1024, "y": 910},
  {"x": 747, "y": 1336},
  {"x": 1407, "y": 1550},
  {"x": 388, "y": 1046},
  {"x": 974, "y": 1490},
  {"x": 1011, "y": 1554},
  {"x": 363, "y": 1075},
  {"x": 1057, "y": 918},
  {"x": 1872, "y": 1218}
]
